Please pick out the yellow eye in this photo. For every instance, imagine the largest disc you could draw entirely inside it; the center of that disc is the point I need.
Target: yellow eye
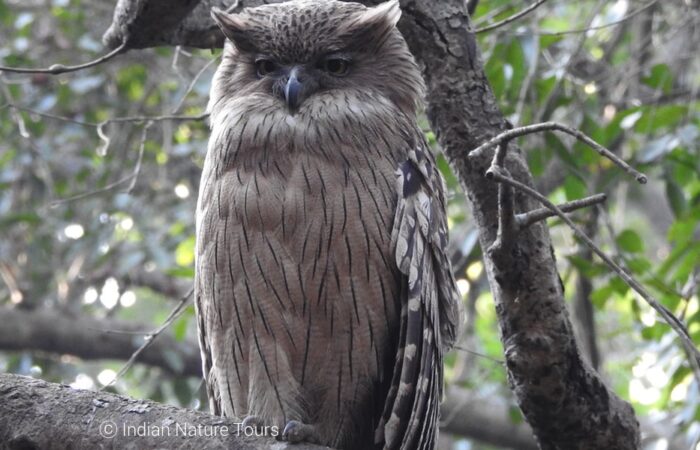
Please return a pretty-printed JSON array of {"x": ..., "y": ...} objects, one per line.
[
  {"x": 264, "y": 66},
  {"x": 336, "y": 66}
]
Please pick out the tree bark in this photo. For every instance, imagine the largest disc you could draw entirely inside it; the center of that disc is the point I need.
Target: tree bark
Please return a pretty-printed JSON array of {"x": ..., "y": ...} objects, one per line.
[
  {"x": 37, "y": 415},
  {"x": 563, "y": 399},
  {"x": 85, "y": 337}
]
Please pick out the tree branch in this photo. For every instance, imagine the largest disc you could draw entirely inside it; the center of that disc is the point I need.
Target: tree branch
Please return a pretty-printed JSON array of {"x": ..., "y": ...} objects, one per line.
[
  {"x": 464, "y": 415},
  {"x": 57, "y": 69},
  {"x": 89, "y": 338},
  {"x": 35, "y": 414},
  {"x": 510, "y": 19}
]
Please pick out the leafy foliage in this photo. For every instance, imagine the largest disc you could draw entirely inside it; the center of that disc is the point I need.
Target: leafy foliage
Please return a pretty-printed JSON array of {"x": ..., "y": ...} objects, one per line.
[{"x": 97, "y": 220}]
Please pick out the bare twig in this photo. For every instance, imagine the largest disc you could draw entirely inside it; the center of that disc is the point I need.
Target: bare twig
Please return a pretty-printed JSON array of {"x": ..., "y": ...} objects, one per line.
[
  {"x": 524, "y": 220},
  {"x": 678, "y": 326},
  {"x": 132, "y": 177},
  {"x": 600, "y": 27},
  {"x": 191, "y": 85},
  {"x": 554, "y": 126},
  {"x": 173, "y": 117},
  {"x": 19, "y": 120},
  {"x": 150, "y": 337},
  {"x": 57, "y": 69},
  {"x": 481, "y": 355},
  {"x": 564, "y": 70},
  {"x": 510, "y": 19}
]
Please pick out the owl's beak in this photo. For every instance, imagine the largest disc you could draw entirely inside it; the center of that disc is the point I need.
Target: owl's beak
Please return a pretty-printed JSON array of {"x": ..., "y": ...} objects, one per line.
[{"x": 293, "y": 89}]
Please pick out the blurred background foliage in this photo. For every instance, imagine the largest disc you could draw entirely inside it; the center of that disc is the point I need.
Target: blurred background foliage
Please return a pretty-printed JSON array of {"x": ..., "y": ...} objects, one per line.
[{"x": 98, "y": 190}]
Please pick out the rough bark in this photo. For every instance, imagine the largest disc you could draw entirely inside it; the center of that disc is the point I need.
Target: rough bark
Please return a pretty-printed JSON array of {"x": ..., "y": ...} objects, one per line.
[
  {"x": 87, "y": 337},
  {"x": 48, "y": 331},
  {"x": 35, "y": 414},
  {"x": 563, "y": 399}
]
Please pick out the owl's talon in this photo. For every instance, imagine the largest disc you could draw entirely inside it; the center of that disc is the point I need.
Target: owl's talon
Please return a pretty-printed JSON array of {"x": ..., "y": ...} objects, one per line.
[
  {"x": 253, "y": 422},
  {"x": 296, "y": 432}
]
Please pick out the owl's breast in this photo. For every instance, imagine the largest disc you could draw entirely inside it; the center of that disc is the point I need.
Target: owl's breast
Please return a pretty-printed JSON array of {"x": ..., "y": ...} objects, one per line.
[{"x": 302, "y": 189}]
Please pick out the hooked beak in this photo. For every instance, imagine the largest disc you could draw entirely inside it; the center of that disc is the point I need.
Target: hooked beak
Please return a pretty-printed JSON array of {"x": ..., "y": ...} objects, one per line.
[{"x": 293, "y": 89}]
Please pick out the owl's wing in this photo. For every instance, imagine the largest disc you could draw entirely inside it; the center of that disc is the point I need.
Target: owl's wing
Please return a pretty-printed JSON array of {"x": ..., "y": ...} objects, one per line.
[
  {"x": 210, "y": 383},
  {"x": 430, "y": 304},
  {"x": 202, "y": 300}
]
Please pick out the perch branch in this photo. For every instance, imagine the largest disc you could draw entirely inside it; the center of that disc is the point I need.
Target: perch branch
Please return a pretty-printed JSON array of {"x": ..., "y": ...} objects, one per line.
[{"x": 57, "y": 69}]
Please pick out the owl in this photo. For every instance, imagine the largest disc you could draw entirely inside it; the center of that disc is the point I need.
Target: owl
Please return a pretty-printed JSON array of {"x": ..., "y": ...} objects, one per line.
[{"x": 325, "y": 300}]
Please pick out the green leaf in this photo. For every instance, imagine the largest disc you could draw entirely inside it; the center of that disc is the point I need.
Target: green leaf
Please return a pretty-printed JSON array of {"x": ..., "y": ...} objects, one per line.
[
  {"x": 660, "y": 77},
  {"x": 630, "y": 241},
  {"x": 516, "y": 58},
  {"x": 184, "y": 253},
  {"x": 619, "y": 285},
  {"x": 561, "y": 150},
  {"x": 600, "y": 296},
  {"x": 544, "y": 86},
  {"x": 658, "y": 117},
  {"x": 181, "y": 272},
  {"x": 180, "y": 328},
  {"x": 676, "y": 197},
  {"x": 639, "y": 265},
  {"x": 587, "y": 268},
  {"x": 24, "y": 217},
  {"x": 574, "y": 188}
]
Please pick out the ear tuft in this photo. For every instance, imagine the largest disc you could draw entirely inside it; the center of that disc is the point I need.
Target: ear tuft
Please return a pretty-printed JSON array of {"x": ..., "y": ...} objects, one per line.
[
  {"x": 234, "y": 28},
  {"x": 388, "y": 12},
  {"x": 373, "y": 25}
]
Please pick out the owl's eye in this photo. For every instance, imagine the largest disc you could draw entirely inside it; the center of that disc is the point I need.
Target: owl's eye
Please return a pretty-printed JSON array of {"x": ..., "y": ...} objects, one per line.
[
  {"x": 336, "y": 66},
  {"x": 264, "y": 66}
]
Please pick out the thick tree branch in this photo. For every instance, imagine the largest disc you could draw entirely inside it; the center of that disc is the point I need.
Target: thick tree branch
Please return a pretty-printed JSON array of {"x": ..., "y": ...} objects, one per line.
[
  {"x": 463, "y": 415},
  {"x": 89, "y": 338},
  {"x": 35, "y": 414}
]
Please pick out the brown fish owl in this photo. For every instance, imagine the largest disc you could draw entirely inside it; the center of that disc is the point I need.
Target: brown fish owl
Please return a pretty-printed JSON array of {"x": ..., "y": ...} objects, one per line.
[{"x": 324, "y": 296}]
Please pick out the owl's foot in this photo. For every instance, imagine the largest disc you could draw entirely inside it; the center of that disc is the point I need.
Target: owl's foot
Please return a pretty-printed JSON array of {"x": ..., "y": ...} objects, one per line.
[
  {"x": 295, "y": 432},
  {"x": 254, "y": 422}
]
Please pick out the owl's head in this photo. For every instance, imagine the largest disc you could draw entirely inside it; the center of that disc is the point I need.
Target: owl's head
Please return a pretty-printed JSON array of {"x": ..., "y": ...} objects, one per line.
[{"x": 306, "y": 53}]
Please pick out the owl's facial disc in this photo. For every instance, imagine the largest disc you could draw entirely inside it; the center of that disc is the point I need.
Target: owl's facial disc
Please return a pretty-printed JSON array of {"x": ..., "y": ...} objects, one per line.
[{"x": 292, "y": 83}]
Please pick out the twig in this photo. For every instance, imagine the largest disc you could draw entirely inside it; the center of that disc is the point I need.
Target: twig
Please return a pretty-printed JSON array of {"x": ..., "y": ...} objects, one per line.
[
  {"x": 19, "y": 120},
  {"x": 564, "y": 70},
  {"x": 48, "y": 115},
  {"x": 600, "y": 27},
  {"x": 191, "y": 85},
  {"x": 524, "y": 220},
  {"x": 510, "y": 19},
  {"x": 671, "y": 320},
  {"x": 139, "y": 160},
  {"x": 57, "y": 69},
  {"x": 554, "y": 126},
  {"x": 150, "y": 337},
  {"x": 158, "y": 118},
  {"x": 133, "y": 176},
  {"x": 472, "y": 352},
  {"x": 164, "y": 117}
]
